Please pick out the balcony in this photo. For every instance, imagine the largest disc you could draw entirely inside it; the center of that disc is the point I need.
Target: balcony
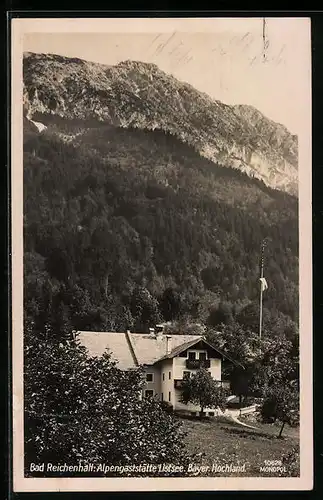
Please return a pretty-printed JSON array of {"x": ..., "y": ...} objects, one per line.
[
  {"x": 194, "y": 364},
  {"x": 178, "y": 384},
  {"x": 225, "y": 384}
]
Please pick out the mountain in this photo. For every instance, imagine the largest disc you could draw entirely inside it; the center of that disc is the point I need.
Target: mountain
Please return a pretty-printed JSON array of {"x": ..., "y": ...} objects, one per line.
[
  {"x": 126, "y": 228},
  {"x": 127, "y": 221},
  {"x": 139, "y": 95}
]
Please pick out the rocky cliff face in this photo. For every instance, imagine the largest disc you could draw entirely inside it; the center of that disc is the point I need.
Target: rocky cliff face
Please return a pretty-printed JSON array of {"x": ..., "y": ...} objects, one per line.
[{"x": 136, "y": 94}]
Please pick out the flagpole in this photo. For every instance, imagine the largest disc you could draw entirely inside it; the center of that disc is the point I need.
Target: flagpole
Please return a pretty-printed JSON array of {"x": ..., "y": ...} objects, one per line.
[{"x": 261, "y": 286}]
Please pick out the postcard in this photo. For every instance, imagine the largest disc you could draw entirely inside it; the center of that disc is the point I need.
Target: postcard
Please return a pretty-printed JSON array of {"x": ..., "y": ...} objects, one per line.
[{"x": 161, "y": 254}]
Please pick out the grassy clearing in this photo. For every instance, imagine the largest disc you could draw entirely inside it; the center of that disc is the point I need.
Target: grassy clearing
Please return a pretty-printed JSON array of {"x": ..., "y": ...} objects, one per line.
[{"x": 219, "y": 441}]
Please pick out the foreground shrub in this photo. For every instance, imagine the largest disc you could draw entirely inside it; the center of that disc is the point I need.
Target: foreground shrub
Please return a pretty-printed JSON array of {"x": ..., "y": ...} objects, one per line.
[{"x": 86, "y": 410}]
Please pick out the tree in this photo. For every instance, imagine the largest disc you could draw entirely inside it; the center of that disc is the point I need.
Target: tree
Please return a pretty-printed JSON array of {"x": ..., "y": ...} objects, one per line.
[
  {"x": 203, "y": 390},
  {"x": 144, "y": 309},
  {"x": 221, "y": 314},
  {"x": 241, "y": 345},
  {"x": 276, "y": 364},
  {"x": 89, "y": 226},
  {"x": 248, "y": 317},
  {"x": 170, "y": 304},
  {"x": 281, "y": 402},
  {"x": 238, "y": 342},
  {"x": 264, "y": 361},
  {"x": 80, "y": 409},
  {"x": 275, "y": 323}
]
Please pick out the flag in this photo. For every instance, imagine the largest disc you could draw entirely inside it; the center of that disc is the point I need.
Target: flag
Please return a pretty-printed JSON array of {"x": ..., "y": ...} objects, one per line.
[{"x": 264, "y": 284}]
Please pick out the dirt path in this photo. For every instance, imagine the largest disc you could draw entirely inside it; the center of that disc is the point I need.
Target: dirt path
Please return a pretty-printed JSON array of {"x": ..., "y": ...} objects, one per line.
[{"x": 234, "y": 415}]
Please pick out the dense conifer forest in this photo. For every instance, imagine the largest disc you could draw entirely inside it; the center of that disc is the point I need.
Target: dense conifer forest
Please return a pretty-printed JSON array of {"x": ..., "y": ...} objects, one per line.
[{"x": 127, "y": 228}]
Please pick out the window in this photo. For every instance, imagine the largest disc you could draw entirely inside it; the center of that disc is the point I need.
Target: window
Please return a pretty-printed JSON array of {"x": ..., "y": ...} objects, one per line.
[
  {"x": 169, "y": 375},
  {"x": 163, "y": 376},
  {"x": 149, "y": 393},
  {"x": 186, "y": 374},
  {"x": 169, "y": 396},
  {"x": 149, "y": 377},
  {"x": 192, "y": 355},
  {"x": 162, "y": 397},
  {"x": 202, "y": 356}
]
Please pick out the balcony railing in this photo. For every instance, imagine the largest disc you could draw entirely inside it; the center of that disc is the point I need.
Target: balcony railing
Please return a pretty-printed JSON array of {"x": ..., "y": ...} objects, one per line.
[
  {"x": 178, "y": 383},
  {"x": 194, "y": 364}
]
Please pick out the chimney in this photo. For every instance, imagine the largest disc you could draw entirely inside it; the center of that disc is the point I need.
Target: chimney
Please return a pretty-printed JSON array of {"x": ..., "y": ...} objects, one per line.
[{"x": 168, "y": 344}]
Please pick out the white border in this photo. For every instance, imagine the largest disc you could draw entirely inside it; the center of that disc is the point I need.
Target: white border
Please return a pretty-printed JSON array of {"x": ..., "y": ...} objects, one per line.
[{"x": 21, "y": 484}]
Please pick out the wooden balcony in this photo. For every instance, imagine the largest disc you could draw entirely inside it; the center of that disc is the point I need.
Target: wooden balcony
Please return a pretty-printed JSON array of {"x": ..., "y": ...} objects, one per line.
[
  {"x": 178, "y": 383},
  {"x": 194, "y": 364}
]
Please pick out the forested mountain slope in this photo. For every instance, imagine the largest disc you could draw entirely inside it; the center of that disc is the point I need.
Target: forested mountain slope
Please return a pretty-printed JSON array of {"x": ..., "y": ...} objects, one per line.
[{"x": 127, "y": 227}]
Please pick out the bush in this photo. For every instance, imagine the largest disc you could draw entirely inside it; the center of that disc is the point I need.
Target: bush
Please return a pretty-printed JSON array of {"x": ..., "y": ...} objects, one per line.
[
  {"x": 80, "y": 409},
  {"x": 281, "y": 402}
]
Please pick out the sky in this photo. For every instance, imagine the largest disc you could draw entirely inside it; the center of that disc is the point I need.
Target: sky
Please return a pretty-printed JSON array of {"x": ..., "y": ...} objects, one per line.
[{"x": 237, "y": 61}]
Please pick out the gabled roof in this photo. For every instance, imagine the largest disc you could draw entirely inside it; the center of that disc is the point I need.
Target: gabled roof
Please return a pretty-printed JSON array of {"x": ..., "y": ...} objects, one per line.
[
  {"x": 150, "y": 348},
  {"x": 133, "y": 349},
  {"x": 182, "y": 347},
  {"x": 97, "y": 343}
]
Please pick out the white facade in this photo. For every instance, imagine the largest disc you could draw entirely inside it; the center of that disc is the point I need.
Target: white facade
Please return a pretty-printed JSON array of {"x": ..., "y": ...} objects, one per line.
[
  {"x": 165, "y": 359},
  {"x": 152, "y": 372},
  {"x": 166, "y": 372}
]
